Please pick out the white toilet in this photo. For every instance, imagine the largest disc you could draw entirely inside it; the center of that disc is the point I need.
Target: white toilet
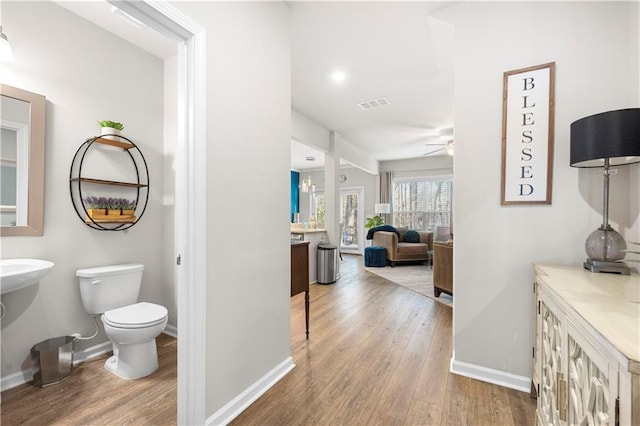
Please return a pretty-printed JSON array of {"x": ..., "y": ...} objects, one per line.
[{"x": 112, "y": 291}]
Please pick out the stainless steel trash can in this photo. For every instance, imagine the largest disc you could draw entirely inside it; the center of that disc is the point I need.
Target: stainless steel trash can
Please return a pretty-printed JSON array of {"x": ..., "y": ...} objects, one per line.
[
  {"x": 51, "y": 360},
  {"x": 327, "y": 260}
]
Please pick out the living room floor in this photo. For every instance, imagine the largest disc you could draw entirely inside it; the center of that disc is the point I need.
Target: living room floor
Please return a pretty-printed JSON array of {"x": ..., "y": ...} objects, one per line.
[{"x": 379, "y": 353}]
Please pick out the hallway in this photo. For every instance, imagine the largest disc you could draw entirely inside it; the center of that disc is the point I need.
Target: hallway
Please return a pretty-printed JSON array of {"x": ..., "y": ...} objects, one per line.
[{"x": 379, "y": 354}]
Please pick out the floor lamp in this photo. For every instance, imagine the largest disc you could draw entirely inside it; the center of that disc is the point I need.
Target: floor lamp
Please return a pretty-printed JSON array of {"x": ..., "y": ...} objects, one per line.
[
  {"x": 382, "y": 208},
  {"x": 605, "y": 140}
]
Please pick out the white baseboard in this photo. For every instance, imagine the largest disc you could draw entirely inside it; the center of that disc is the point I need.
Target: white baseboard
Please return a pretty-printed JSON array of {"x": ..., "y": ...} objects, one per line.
[
  {"x": 490, "y": 375},
  {"x": 171, "y": 330},
  {"x": 15, "y": 379},
  {"x": 237, "y": 405},
  {"x": 25, "y": 376}
]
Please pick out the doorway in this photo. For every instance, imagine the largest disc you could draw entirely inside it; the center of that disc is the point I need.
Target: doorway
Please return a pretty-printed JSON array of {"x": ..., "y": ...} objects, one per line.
[{"x": 190, "y": 215}]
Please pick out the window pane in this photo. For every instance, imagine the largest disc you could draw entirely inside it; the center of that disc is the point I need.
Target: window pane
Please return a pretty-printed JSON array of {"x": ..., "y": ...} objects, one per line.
[
  {"x": 349, "y": 219},
  {"x": 422, "y": 203},
  {"x": 319, "y": 200}
]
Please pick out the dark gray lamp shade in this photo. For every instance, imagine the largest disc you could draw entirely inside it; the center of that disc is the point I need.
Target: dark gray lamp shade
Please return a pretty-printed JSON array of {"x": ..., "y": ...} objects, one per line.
[{"x": 614, "y": 135}]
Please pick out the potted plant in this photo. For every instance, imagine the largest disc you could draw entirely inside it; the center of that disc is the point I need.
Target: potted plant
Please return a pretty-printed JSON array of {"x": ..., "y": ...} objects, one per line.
[
  {"x": 373, "y": 222},
  {"x": 110, "y": 129},
  {"x": 110, "y": 209}
]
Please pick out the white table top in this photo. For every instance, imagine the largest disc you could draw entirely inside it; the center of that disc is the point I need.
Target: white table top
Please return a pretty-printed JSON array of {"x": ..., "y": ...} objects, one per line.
[{"x": 609, "y": 302}]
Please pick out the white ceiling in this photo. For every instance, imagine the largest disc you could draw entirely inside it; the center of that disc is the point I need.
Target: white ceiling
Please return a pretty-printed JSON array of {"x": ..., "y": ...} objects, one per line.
[
  {"x": 396, "y": 50},
  {"x": 100, "y": 13}
]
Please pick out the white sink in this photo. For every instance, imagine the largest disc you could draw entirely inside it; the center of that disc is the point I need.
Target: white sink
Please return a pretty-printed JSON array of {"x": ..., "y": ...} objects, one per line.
[{"x": 19, "y": 273}]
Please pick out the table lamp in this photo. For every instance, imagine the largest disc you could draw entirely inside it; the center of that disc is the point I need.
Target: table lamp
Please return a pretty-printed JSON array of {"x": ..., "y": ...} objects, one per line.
[{"x": 603, "y": 140}]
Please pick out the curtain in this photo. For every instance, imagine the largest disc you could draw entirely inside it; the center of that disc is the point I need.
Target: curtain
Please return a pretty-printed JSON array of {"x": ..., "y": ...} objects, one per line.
[{"x": 386, "y": 179}]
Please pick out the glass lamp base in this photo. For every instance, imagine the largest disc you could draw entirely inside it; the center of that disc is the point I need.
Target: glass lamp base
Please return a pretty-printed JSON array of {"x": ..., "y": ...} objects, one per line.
[
  {"x": 605, "y": 245},
  {"x": 613, "y": 267}
]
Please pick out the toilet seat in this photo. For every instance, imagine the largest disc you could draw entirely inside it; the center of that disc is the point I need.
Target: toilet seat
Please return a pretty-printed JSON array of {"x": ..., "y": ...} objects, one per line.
[{"x": 139, "y": 315}]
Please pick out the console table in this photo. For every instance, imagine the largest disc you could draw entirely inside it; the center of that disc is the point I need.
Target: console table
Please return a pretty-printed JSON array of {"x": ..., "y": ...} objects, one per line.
[
  {"x": 586, "y": 353},
  {"x": 300, "y": 274}
]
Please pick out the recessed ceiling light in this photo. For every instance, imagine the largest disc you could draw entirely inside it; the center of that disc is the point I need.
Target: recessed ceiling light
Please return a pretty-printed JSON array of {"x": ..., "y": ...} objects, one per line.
[{"x": 338, "y": 76}]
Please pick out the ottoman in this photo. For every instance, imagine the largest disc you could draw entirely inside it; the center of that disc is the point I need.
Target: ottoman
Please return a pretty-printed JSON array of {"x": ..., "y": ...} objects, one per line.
[{"x": 375, "y": 256}]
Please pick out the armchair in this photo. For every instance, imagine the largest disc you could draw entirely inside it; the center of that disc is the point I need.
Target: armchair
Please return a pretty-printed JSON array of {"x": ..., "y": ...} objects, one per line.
[{"x": 402, "y": 251}]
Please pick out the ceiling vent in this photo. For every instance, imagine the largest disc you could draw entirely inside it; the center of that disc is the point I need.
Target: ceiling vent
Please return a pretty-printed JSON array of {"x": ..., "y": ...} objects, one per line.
[{"x": 375, "y": 103}]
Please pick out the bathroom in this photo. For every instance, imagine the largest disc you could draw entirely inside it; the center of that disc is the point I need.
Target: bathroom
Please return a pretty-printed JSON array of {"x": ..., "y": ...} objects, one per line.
[
  {"x": 101, "y": 77},
  {"x": 238, "y": 292}
]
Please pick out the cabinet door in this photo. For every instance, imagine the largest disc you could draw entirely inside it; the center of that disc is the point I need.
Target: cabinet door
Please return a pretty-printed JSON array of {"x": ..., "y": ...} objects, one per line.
[
  {"x": 550, "y": 359},
  {"x": 592, "y": 382}
]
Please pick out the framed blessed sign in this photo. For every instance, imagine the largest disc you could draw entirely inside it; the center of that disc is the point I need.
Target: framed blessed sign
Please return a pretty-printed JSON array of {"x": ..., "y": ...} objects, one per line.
[{"x": 527, "y": 135}]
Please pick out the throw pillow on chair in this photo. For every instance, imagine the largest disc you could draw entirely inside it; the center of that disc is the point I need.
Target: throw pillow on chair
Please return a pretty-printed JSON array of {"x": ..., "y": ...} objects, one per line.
[{"x": 412, "y": 237}]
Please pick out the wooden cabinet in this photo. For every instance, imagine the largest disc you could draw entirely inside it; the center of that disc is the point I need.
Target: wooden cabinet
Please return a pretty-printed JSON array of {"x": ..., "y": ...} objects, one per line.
[
  {"x": 300, "y": 274},
  {"x": 587, "y": 347},
  {"x": 442, "y": 268}
]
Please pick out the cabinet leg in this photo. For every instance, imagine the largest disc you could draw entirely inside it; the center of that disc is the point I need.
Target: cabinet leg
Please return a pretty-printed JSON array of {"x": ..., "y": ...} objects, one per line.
[{"x": 306, "y": 311}]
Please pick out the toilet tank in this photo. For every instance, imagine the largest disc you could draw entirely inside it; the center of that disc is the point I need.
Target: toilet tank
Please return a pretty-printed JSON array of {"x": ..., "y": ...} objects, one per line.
[{"x": 109, "y": 287}]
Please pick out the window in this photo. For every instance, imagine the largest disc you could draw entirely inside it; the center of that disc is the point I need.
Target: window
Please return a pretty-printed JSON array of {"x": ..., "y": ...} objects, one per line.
[
  {"x": 318, "y": 207},
  {"x": 422, "y": 203}
]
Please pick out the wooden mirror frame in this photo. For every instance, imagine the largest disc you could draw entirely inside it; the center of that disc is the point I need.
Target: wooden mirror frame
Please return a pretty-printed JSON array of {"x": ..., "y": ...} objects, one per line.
[{"x": 35, "y": 202}]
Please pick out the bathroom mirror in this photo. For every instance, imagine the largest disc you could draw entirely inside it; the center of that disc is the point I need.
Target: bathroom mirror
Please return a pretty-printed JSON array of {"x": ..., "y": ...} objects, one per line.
[{"x": 22, "y": 121}]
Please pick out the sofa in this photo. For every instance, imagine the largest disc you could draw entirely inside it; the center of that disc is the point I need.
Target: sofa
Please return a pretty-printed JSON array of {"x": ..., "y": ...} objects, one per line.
[{"x": 399, "y": 250}]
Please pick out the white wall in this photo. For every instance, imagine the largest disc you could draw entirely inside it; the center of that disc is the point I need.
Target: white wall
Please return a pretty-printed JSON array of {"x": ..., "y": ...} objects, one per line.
[
  {"x": 310, "y": 133},
  {"x": 440, "y": 165},
  {"x": 355, "y": 156},
  {"x": 249, "y": 128},
  {"x": 86, "y": 74},
  {"x": 595, "y": 47}
]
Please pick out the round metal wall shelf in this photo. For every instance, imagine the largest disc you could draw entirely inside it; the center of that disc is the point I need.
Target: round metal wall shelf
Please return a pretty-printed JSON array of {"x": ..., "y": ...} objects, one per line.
[{"x": 77, "y": 182}]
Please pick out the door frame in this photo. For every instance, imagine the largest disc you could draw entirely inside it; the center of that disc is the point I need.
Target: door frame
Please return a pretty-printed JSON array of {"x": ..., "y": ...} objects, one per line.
[{"x": 190, "y": 198}]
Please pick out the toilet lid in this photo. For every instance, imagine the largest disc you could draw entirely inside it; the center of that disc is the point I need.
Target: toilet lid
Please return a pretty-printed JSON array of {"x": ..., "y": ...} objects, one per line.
[{"x": 141, "y": 314}]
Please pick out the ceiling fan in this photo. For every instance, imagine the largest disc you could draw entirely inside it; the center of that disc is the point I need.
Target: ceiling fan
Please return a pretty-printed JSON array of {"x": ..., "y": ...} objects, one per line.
[{"x": 447, "y": 145}]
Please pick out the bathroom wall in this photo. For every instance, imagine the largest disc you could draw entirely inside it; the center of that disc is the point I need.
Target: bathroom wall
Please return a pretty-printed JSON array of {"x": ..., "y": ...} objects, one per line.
[{"x": 86, "y": 74}]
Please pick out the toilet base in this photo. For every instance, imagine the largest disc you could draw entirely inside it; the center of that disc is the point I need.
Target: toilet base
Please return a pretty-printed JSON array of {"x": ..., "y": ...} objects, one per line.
[{"x": 133, "y": 361}]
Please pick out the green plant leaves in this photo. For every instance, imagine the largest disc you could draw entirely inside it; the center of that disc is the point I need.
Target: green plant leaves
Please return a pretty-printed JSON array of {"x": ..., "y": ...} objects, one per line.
[{"x": 112, "y": 124}]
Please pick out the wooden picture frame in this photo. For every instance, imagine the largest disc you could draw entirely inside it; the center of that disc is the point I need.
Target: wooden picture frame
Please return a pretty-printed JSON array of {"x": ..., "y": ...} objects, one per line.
[{"x": 528, "y": 101}]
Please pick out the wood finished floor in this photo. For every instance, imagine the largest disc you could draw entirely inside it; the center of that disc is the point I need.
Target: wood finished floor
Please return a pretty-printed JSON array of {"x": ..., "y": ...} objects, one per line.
[
  {"x": 93, "y": 396},
  {"x": 378, "y": 354}
]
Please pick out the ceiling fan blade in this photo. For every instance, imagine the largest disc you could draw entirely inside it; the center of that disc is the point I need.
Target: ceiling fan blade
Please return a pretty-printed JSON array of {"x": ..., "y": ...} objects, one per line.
[
  {"x": 434, "y": 151},
  {"x": 435, "y": 144}
]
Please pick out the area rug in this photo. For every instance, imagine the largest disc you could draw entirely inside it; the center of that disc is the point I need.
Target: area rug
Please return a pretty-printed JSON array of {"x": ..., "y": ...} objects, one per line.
[{"x": 418, "y": 278}]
